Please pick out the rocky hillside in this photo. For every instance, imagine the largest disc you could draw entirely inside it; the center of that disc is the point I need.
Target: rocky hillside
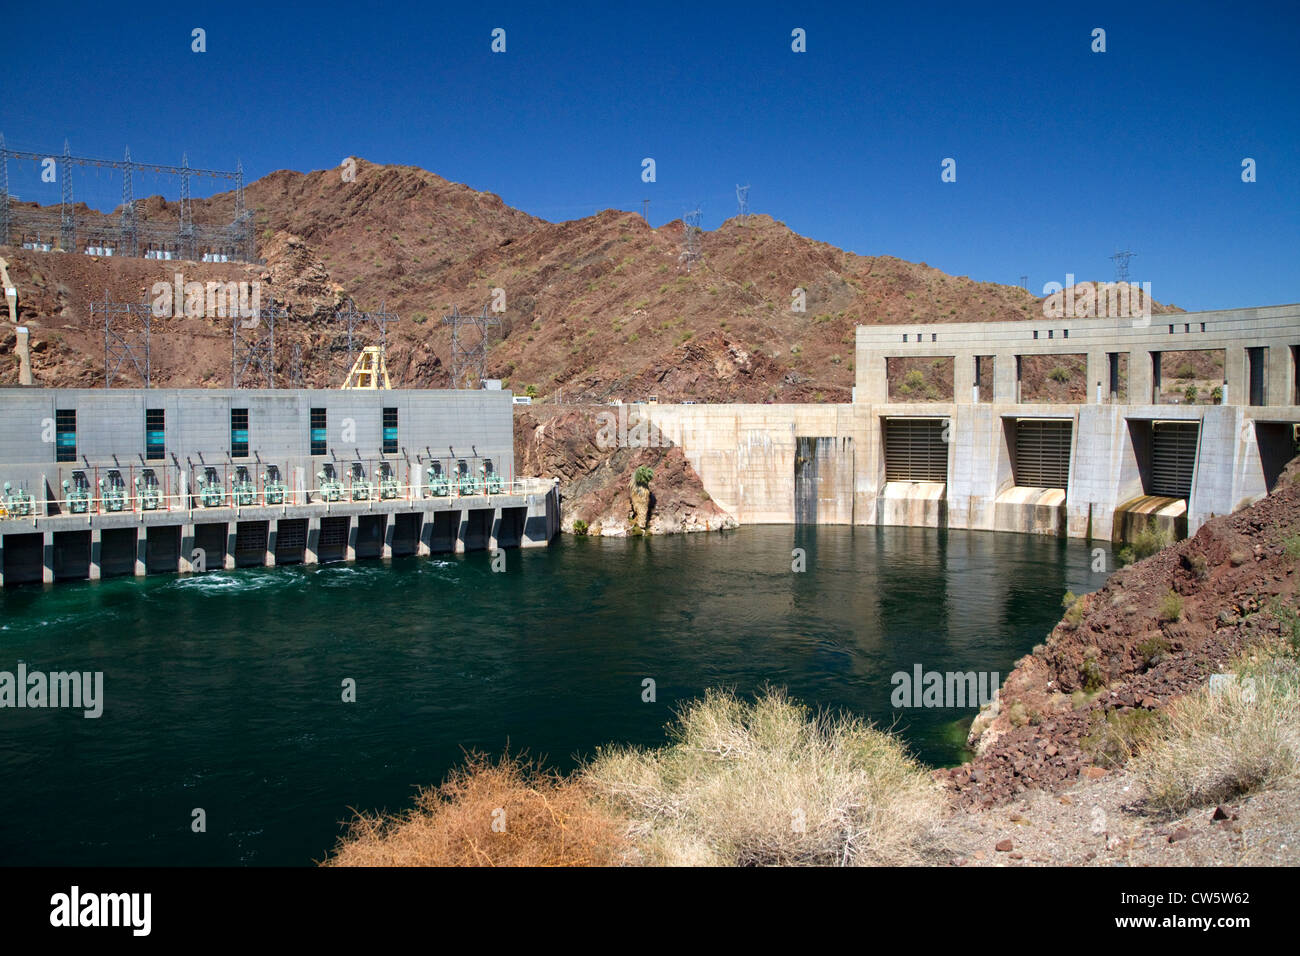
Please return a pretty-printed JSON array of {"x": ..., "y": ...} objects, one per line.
[
  {"x": 564, "y": 443},
  {"x": 596, "y": 308},
  {"x": 1155, "y": 631}
]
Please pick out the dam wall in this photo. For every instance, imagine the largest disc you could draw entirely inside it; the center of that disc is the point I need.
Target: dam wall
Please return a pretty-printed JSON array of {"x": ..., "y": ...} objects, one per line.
[{"x": 1098, "y": 469}]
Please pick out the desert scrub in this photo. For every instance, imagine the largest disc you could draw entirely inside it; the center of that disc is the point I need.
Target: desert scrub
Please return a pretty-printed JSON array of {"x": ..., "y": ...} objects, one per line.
[
  {"x": 1111, "y": 741},
  {"x": 1222, "y": 744},
  {"x": 1171, "y": 606},
  {"x": 770, "y": 782},
  {"x": 1090, "y": 671},
  {"x": 1074, "y": 609},
  {"x": 579, "y": 526},
  {"x": 1145, "y": 543},
  {"x": 551, "y": 821}
]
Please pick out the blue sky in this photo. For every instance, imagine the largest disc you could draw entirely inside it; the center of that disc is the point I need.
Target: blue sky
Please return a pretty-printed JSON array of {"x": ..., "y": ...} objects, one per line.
[{"x": 1062, "y": 155}]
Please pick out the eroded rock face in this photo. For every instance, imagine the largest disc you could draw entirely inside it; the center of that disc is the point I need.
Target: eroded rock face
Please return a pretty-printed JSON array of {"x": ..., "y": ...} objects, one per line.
[{"x": 594, "y": 481}]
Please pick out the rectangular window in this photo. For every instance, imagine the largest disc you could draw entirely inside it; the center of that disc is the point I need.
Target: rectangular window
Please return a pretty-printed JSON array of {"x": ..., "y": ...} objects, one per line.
[
  {"x": 65, "y": 434},
  {"x": 239, "y": 433},
  {"x": 318, "y": 432},
  {"x": 155, "y": 433},
  {"x": 390, "y": 431}
]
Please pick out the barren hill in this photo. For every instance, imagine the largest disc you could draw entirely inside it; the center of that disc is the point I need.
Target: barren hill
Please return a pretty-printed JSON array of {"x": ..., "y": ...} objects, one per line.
[{"x": 596, "y": 308}]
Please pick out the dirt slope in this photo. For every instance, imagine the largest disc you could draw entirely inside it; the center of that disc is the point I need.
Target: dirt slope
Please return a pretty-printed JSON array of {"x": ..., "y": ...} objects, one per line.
[{"x": 596, "y": 308}]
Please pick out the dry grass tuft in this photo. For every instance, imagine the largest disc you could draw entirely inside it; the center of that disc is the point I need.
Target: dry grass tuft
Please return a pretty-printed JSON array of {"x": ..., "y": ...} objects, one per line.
[
  {"x": 770, "y": 783},
  {"x": 1220, "y": 745},
  {"x": 542, "y": 820}
]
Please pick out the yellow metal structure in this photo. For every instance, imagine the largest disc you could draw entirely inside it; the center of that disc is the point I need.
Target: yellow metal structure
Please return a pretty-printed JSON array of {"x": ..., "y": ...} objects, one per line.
[{"x": 370, "y": 371}]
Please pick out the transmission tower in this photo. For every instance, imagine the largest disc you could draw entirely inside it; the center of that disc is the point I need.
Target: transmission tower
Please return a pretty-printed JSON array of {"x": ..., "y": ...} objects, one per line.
[
  {"x": 645, "y": 210},
  {"x": 1121, "y": 264},
  {"x": 1024, "y": 283},
  {"x": 355, "y": 322},
  {"x": 295, "y": 367},
  {"x": 691, "y": 237},
  {"x": 127, "y": 335},
  {"x": 67, "y": 224},
  {"x": 253, "y": 346},
  {"x": 469, "y": 352},
  {"x": 742, "y": 200}
]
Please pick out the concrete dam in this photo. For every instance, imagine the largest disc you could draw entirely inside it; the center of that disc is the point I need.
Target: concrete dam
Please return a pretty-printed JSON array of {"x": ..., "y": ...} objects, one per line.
[
  {"x": 1099, "y": 469},
  {"x": 101, "y": 482}
]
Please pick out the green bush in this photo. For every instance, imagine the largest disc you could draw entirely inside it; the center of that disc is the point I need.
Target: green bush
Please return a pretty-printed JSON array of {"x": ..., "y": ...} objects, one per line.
[
  {"x": 1059, "y": 374},
  {"x": 1171, "y": 606},
  {"x": 1073, "y": 605},
  {"x": 1189, "y": 394},
  {"x": 579, "y": 526},
  {"x": 1148, "y": 541},
  {"x": 1090, "y": 671}
]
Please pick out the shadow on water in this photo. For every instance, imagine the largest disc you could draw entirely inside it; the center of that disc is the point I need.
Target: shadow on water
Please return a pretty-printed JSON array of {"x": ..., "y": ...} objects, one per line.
[{"x": 224, "y": 691}]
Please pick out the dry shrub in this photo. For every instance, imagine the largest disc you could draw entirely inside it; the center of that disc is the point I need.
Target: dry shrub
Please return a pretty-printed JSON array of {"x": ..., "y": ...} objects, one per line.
[
  {"x": 769, "y": 783},
  {"x": 1220, "y": 745},
  {"x": 549, "y": 821}
]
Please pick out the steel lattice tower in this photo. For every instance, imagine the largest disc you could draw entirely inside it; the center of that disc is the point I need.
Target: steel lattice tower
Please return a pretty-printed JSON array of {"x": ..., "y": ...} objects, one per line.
[
  {"x": 1121, "y": 264},
  {"x": 691, "y": 237},
  {"x": 469, "y": 361},
  {"x": 742, "y": 200},
  {"x": 67, "y": 224}
]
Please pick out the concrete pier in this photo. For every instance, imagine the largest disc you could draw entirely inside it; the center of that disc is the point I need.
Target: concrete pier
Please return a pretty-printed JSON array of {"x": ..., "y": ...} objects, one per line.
[{"x": 72, "y": 547}]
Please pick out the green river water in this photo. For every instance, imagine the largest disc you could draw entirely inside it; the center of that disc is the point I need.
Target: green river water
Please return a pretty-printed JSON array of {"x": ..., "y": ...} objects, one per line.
[{"x": 224, "y": 691}]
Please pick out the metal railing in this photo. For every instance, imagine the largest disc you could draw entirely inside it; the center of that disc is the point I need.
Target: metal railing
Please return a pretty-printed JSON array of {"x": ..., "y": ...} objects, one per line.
[{"x": 121, "y": 495}]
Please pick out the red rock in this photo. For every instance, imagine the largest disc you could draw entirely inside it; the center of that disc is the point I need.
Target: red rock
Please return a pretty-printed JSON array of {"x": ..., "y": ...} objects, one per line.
[
  {"x": 1182, "y": 833},
  {"x": 1219, "y": 814},
  {"x": 1095, "y": 773},
  {"x": 1004, "y": 846}
]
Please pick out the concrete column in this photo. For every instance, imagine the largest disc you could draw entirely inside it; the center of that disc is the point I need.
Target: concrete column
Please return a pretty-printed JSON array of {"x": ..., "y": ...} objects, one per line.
[
  {"x": 1234, "y": 371},
  {"x": 1140, "y": 377},
  {"x": 390, "y": 526},
  {"x": 185, "y": 565},
  {"x": 1281, "y": 385},
  {"x": 141, "y": 551},
  {"x": 494, "y": 529},
  {"x": 1006, "y": 390},
  {"x": 462, "y": 533},
  {"x": 350, "y": 554},
  {"x": 2, "y": 561},
  {"x": 23, "y": 351},
  {"x": 309, "y": 552},
  {"x": 96, "y": 544},
  {"x": 963, "y": 380},
  {"x": 272, "y": 527},
  {"x": 232, "y": 536},
  {"x": 425, "y": 547},
  {"x": 872, "y": 379},
  {"x": 47, "y": 557},
  {"x": 1098, "y": 377}
]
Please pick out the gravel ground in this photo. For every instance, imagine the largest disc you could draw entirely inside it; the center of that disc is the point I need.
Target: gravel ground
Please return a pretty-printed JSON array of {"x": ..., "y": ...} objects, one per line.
[{"x": 1095, "y": 823}]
